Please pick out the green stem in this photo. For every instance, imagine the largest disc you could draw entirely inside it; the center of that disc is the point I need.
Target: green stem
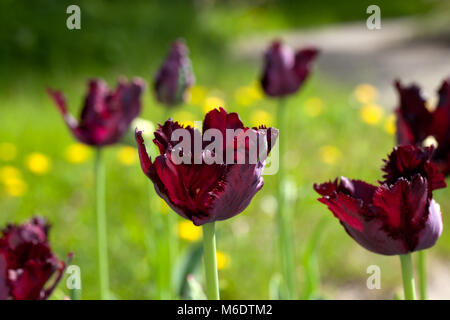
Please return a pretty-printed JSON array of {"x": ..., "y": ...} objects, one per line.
[
  {"x": 210, "y": 262},
  {"x": 422, "y": 266},
  {"x": 285, "y": 239},
  {"x": 408, "y": 277},
  {"x": 101, "y": 226}
]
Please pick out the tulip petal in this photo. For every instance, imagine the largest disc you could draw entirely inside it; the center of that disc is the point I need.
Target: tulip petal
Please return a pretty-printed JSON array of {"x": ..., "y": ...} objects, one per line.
[
  {"x": 413, "y": 117},
  {"x": 145, "y": 160}
]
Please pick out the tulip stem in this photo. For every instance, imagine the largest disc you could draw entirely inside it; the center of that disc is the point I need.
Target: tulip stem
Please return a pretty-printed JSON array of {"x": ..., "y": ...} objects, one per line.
[
  {"x": 101, "y": 226},
  {"x": 210, "y": 261},
  {"x": 422, "y": 262},
  {"x": 285, "y": 238},
  {"x": 408, "y": 277}
]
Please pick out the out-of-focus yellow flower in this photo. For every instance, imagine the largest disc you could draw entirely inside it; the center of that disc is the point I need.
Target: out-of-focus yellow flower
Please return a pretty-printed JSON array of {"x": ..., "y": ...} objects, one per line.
[
  {"x": 197, "y": 95},
  {"x": 184, "y": 118},
  {"x": 8, "y": 151},
  {"x": 188, "y": 231},
  {"x": 261, "y": 117},
  {"x": 15, "y": 187},
  {"x": 329, "y": 154},
  {"x": 38, "y": 163},
  {"x": 212, "y": 102},
  {"x": 11, "y": 178},
  {"x": 365, "y": 93},
  {"x": 313, "y": 107},
  {"x": 429, "y": 141},
  {"x": 223, "y": 260},
  {"x": 389, "y": 124},
  {"x": 163, "y": 206},
  {"x": 371, "y": 114},
  {"x": 127, "y": 155},
  {"x": 77, "y": 153},
  {"x": 9, "y": 172},
  {"x": 247, "y": 95}
]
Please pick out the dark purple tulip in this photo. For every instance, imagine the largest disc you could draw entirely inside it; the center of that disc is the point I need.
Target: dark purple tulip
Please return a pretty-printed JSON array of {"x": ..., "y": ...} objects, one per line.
[
  {"x": 175, "y": 76},
  {"x": 106, "y": 115},
  {"x": 205, "y": 192},
  {"x": 399, "y": 215},
  {"x": 27, "y": 262},
  {"x": 284, "y": 70},
  {"x": 415, "y": 122}
]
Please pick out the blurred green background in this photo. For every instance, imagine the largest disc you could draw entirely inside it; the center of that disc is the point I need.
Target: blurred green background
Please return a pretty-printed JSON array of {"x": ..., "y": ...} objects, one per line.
[{"x": 336, "y": 128}]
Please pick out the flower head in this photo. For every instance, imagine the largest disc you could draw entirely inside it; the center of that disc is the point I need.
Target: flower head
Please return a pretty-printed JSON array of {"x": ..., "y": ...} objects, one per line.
[
  {"x": 175, "y": 76},
  {"x": 285, "y": 70},
  {"x": 106, "y": 115},
  {"x": 399, "y": 215},
  {"x": 27, "y": 262},
  {"x": 199, "y": 188},
  {"x": 415, "y": 123}
]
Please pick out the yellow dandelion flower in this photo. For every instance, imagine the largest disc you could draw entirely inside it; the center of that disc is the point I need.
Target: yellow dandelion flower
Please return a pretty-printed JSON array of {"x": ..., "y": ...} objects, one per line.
[
  {"x": 127, "y": 155},
  {"x": 11, "y": 177},
  {"x": 38, "y": 163},
  {"x": 365, "y": 93},
  {"x": 371, "y": 114},
  {"x": 77, "y": 153},
  {"x": 9, "y": 172},
  {"x": 389, "y": 124},
  {"x": 212, "y": 102},
  {"x": 197, "y": 95},
  {"x": 185, "y": 118},
  {"x": 313, "y": 107},
  {"x": 329, "y": 154},
  {"x": 8, "y": 151},
  {"x": 223, "y": 260},
  {"x": 247, "y": 95},
  {"x": 261, "y": 117},
  {"x": 188, "y": 231},
  {"x": 15, "y": 187}
]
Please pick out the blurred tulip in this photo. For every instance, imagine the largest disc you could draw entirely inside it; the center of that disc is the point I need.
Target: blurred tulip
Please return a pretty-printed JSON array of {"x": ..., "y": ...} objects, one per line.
[
  {"x": 398, "y": 216},
  {"x": 415, "y": 123},
  {"x": 285, "y": 70},
  {"x": 175, "y": 76},
  {"x": 204, "y": 192},
  {"x": 106, "y": 115},
  {"x": 27, "y": 262}
]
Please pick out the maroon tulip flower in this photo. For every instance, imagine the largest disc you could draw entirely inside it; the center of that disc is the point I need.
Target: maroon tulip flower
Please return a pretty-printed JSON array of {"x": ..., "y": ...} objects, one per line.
[
  {"x": 204, "y": 191},
  {"x": 415, "y": 123},
  {"x": 399, "y": 215},
  {"x": 175, "y": 76},
  {"x": 106, "y": 115},
  {"x": 285, "y": 70},
  {"x": 27, "y": 262}
]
